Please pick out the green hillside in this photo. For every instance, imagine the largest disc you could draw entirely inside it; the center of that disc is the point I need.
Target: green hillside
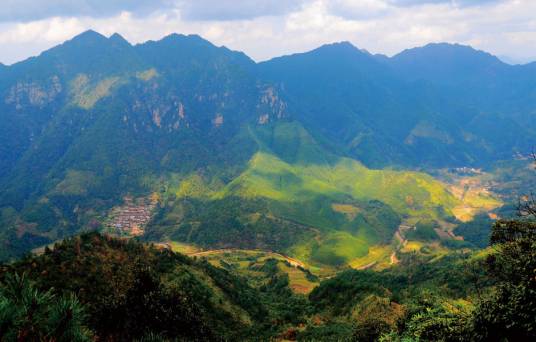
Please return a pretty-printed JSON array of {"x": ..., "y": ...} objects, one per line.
[
  {"x": 300, "y": 199},
  {"x": 409, "y": 193}
]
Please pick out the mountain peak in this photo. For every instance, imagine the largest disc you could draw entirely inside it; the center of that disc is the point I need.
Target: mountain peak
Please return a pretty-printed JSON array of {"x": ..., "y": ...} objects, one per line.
[
  {"x": 179, "y": 45},
  {"x": 343, "y": 49},
  {"x": 449, "y": 53},
  {"x": 88, "y": 36},
  {"x": 181, "y": 38},
  {"x": 344, "y": 44},
  {"x": 117, "y": 38},
  {"x": 89, "y": 52},
  {"x": 86, "y": 39},
  {"x": 446, "y": 63},
  {"x": 338, "y": 46},
  {"x": 90, "y": 42}
]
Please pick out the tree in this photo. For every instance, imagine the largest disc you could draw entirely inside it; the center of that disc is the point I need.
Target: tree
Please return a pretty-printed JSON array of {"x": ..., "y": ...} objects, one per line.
[
  {"x": 27, "y": 314},
  {"x": 376, "y": 316},
  {"x": 509, "y": 313}
]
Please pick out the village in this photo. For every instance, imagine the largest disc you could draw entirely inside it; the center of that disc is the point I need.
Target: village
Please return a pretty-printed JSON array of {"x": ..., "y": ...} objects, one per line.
[{"x": 131, "y": 218}]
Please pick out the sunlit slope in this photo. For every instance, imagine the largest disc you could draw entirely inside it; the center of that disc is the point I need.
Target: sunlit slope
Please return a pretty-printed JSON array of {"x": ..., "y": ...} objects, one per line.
[
  {"x": 298, "y": 197},
  {"x": 408, "y": 193},
  {"x": 328, "y": 197},
  {"x": 348, "y": 207}
]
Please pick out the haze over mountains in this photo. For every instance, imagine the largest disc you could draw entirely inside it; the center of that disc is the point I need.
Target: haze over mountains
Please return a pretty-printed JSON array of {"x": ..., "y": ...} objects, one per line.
[{"x": 95, "y": 119}]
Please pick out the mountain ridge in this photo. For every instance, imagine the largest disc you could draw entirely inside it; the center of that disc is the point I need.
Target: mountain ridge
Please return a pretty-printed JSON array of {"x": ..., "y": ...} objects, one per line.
[
  {"x": 119, "y": 38},
  {"x": 96, "y": 119}
]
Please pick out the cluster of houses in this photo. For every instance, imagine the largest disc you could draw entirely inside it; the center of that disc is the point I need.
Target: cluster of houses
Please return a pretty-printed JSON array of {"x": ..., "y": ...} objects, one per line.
[
  {"x": 131, "y": 217},
  {"x": 466, "y": 170}
]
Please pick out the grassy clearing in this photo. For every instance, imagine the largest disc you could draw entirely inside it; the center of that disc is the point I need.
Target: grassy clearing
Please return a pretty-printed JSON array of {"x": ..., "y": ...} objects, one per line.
[
  {"x": 298, "y": 281},
  {"x": 348, "y": 210},
  {"x": 378, "y": 257},
  {"x": 292, "y": 167},
  {"x": 147, "y": 74},
  {"x": 183, "y": 248},
  {"x": 338, "y": 248},
  {"x": 475, "y": 199},
  {"x": 412, "y": 246},
  {"x": 410, "y": 194},
  {"x": 86, "y": 95},
  {"x": 474, "y": 193},
  {"x": 432, "y": 248},
  {"x": 303, "y": 252},
  {"x": 483, "y": 253}
]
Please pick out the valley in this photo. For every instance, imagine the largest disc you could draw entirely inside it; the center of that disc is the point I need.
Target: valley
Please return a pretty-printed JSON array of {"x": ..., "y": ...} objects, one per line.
[
  {"x": 175, "y": 189},
  {"x": 336, "y": 237}
]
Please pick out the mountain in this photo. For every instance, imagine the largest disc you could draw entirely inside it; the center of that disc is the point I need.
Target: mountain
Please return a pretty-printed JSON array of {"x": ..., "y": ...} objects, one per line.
[
  {"x": 437, "y": 105},
  {"x": 314, "y": 155},
  {"x": 78, "y": 140},
  {"x": 448, "y": 64}
]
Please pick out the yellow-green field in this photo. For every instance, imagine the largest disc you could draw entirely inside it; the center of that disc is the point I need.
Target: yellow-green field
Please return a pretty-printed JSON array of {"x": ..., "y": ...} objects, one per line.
[
  {"x": 378, "y": 257},
  {"x": 432, "y": 248},
  {"x": 183, "y": 247},
  {"x": 243, "y": 262}
]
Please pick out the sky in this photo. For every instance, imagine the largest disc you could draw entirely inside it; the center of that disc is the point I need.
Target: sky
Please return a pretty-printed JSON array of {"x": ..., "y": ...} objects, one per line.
[{"x": 268, "y": 28}]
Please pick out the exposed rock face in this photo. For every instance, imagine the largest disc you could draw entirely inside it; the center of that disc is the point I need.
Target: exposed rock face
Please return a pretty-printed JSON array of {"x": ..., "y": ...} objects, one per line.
[
  {"x": 277, "y": 105},
  {"x": 34, "y": 93},
  {"x": 156, "y": 118},
  {"x": 263, "y": 119},
  {"x": 218, "y": 120},
  {"x": 181, "y": 110},
  {"x": 271, "y": 106}
]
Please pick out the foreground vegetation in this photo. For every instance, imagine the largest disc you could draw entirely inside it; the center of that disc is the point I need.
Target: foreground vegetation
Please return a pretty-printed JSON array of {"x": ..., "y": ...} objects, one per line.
[{"x": 94, "y": 286}]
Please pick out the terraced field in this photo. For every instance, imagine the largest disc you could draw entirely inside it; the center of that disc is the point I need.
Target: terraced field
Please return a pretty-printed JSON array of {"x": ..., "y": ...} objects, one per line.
[{"x": 248, "y": 263}]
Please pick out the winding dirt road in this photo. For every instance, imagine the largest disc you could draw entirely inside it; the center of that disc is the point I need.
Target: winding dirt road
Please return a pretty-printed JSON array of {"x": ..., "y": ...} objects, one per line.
[{"x": 402, "y": 241}]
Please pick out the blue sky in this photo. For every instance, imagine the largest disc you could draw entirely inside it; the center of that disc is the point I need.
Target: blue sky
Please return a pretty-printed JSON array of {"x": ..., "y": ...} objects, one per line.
[{"x": 268, "y": 28}]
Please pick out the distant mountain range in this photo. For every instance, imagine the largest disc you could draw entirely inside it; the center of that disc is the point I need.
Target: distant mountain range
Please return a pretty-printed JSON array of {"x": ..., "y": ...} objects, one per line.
[{"x": 272, "y": 155}]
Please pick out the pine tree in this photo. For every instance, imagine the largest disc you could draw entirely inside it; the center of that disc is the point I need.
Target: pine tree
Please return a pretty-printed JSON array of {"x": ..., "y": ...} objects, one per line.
[{"x": 27, "y": 314}]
